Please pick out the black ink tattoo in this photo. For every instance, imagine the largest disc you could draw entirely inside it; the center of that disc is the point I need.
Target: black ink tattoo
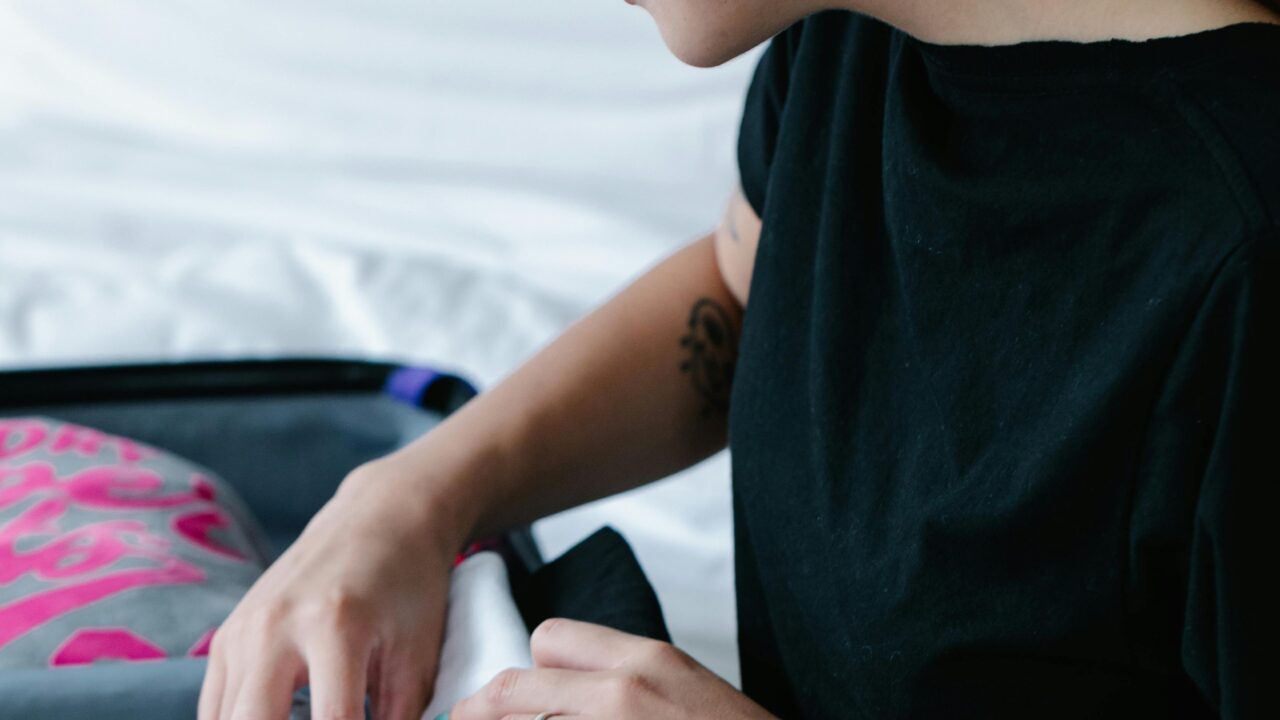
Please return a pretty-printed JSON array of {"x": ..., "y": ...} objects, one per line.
[{"x": 712, "y": 352}]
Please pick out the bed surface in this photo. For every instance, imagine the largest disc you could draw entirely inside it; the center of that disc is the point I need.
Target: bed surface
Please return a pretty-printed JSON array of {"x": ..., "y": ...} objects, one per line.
[{"x": 414, "y": 180}]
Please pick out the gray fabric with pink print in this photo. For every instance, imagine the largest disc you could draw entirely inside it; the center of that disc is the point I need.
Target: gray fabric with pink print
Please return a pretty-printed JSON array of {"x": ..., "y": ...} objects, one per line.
[{"x": 113, "y": 550}]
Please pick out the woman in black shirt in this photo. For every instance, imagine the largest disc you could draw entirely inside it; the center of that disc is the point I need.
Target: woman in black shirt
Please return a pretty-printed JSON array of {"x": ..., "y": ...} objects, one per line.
[{"x": 997, "y": 407}]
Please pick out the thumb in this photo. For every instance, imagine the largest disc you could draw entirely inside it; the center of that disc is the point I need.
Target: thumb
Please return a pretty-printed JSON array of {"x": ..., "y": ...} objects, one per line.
[{"x": 573, "y": 645}]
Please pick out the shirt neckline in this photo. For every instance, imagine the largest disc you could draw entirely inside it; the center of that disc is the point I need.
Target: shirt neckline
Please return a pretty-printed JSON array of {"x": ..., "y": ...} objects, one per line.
[{"x": 1062, "y": 59}]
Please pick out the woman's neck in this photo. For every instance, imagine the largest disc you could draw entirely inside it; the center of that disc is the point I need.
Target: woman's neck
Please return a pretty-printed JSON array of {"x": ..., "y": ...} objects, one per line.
[{"x": 1003, "y": 22}]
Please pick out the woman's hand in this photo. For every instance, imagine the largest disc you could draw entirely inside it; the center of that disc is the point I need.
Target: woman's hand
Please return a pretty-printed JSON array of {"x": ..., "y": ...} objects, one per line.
[
  {"x": 355, "y": 606},
  {"x": 585, "y": 671}
]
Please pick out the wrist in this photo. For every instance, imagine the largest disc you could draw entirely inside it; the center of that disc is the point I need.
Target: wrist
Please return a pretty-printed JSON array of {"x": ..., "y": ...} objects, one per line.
[
  {"x": 404, "y": 508},
  {"x": 435, "y": 487}
]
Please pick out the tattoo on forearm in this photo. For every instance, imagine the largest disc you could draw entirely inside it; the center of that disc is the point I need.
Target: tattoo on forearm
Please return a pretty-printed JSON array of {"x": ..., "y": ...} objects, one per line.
[{"x": 711, "y": 352}]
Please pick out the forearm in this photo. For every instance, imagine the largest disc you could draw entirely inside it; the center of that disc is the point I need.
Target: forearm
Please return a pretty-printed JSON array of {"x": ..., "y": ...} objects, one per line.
[{"x": 633, "y": 392}]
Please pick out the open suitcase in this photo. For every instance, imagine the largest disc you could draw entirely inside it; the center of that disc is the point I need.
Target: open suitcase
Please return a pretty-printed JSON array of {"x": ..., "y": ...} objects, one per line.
[{"x": 310, "y": 421}]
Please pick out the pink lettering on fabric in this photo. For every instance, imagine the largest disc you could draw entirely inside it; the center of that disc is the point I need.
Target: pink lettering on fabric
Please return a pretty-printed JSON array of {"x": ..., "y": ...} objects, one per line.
[
  {"x": 22, "y": 616},
  {"x": 202, "y": 488},
  {"x": 78, "y": 558},
  {"x": 109, "y": 487},
  {"x": 93, "y": 644},
  {"x": 195, "y": 527},
  {"x": 29, "y": 434},
  {"x": 68, "y": 438},
  {"x": 89, "y": 442},
  {"x": 201, "y": 648},
  {"x": 83, "y": 550},
  {"x": 16, "y": 483},
  {"x": 122, "y": 486}
]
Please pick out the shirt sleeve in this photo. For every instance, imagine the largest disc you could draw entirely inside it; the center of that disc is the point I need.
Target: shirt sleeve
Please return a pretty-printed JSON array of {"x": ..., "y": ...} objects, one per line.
[
  {"x": 762, "y": 117},
  {"x": 1230, "y": 361}
]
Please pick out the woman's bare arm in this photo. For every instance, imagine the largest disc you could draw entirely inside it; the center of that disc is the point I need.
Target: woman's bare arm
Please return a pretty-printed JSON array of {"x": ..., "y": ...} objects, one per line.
[
  {"x": 355, "y": 608},
  {"x": 633, "y": 392}
]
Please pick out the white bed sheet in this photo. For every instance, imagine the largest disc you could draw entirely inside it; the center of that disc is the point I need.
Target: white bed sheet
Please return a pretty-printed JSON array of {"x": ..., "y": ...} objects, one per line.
[{"x": 442, "y": 182}]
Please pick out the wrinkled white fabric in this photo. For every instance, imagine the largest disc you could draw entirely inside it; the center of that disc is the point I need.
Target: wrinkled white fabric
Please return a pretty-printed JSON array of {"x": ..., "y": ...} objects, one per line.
[{"x": 484, "y": 634}]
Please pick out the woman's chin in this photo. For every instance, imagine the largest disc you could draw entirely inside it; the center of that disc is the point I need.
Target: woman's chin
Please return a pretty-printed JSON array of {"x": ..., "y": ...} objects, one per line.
[{"x": 706, "y": 34}]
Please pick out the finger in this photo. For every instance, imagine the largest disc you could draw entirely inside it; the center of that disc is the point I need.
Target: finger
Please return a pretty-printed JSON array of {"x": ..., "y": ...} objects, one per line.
[
  {"x": 402, "y": 691},
  {"x": 339, "y": 677},
  {"x": 266, "y": 690},
  {"x": 402, "y": 675},
  {"x": 573, "y": 645},
  {"x": 375, "y": 686},
  {"x": 211, "y": 688},
  {"x": 526, "y": 716},
  {"x": 233, "y": 678},
  {"x": 529, "y": 692}
]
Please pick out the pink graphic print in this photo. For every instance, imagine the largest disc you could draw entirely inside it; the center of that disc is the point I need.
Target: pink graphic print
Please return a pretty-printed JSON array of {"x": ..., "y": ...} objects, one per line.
[
  {"x": 195, "y": 527},
  {"x": 78, "y": 561},
  {"x": 89, "y": 443},
  {"x": 90, "y": 645},
  {"x": 201, "y": 648},
  {"x": 20, "y": 436}
]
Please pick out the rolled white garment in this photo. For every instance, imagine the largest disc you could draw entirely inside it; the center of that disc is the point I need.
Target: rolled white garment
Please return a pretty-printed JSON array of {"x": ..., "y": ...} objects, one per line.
[{"x": 484, "y": 632}]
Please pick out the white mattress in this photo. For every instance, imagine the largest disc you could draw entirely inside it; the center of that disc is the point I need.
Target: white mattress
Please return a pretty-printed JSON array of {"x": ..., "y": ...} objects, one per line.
[{"x": 441, "y": 182}]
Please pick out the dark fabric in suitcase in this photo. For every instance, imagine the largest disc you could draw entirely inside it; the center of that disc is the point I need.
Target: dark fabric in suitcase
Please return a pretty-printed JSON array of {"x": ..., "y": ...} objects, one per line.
[{"x": 599, "y": 581}]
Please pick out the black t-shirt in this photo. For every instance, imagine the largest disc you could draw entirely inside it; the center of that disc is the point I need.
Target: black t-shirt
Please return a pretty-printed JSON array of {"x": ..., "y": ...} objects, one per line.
[{"x": 1001, "y": 425}]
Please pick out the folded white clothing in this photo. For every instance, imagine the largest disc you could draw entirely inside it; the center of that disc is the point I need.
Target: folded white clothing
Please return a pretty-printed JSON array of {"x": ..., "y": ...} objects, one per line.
[{"x": 484, "y": 632}]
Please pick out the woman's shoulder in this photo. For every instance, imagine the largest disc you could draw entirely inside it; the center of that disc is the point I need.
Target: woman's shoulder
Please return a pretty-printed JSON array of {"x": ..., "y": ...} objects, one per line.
[{"x": 1232, "y": 101}]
